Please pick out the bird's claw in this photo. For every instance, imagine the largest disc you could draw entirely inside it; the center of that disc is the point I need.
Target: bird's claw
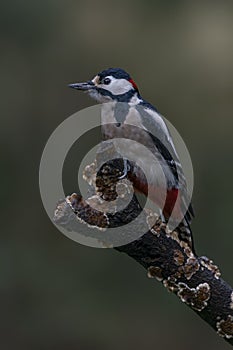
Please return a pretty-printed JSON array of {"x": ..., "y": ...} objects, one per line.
[{"x": 126, "y": 169}]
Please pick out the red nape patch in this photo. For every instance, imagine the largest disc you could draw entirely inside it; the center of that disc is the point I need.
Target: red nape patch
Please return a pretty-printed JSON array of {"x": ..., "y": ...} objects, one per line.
[{"x": 134, "y": 84}]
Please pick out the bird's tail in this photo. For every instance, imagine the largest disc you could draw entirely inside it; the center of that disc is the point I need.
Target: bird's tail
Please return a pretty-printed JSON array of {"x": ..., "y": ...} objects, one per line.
[
  {"x": 175, "y": 208},
  {"x": 184, "y": 228}
]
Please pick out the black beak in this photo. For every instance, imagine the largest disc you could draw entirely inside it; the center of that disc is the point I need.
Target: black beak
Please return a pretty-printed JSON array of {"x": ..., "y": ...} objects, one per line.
[{"x": 83, "y": 86}]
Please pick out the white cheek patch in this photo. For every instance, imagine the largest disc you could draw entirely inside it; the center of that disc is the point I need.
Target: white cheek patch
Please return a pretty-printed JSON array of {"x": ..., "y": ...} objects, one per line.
[{"x": 118, "y": 86}]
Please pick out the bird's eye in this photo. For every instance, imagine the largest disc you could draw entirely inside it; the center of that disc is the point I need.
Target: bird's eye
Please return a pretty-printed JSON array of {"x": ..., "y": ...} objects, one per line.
[{"x": 107, "y": 81}]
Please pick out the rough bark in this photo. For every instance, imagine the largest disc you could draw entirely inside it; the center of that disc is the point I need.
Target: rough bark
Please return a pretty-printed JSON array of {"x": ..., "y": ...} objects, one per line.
[{"x": 195, "y": 280}]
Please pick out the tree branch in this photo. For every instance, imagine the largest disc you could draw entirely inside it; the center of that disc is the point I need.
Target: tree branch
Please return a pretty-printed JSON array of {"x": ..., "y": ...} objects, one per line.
[{"x": 195, "y": 280}]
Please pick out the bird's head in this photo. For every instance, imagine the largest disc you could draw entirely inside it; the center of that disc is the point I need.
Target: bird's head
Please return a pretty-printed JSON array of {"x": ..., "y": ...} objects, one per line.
[{"x": 113, "y": 84}]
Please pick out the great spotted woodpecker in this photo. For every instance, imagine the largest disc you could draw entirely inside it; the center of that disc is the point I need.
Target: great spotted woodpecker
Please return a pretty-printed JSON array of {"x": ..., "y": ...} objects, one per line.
[{"x": 129, "y": 116}]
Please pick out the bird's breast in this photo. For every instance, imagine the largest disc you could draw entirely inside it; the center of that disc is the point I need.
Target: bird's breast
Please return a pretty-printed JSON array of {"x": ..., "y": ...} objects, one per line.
[{"x": 123, "y": 124}]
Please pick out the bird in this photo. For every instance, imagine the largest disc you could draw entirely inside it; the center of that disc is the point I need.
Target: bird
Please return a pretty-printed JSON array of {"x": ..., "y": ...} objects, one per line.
[{"x": 126, "y": 115}]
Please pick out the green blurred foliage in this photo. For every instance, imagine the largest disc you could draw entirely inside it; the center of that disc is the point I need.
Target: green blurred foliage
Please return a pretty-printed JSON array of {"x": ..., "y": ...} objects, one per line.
[{"x": 56, "y": 294}]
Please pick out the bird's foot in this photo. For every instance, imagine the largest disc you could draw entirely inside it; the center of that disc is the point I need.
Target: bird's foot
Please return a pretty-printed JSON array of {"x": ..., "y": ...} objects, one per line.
[
  {"x": 162, "y": 217},
  {"x": 126, "y": 169}
]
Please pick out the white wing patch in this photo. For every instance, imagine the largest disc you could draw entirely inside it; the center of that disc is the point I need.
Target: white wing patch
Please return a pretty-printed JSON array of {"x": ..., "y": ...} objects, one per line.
[{"x": 159, "y": 120}]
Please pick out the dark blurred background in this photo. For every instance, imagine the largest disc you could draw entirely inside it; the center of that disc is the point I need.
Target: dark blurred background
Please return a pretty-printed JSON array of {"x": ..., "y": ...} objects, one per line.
[{"x": 55, "y": 293}]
